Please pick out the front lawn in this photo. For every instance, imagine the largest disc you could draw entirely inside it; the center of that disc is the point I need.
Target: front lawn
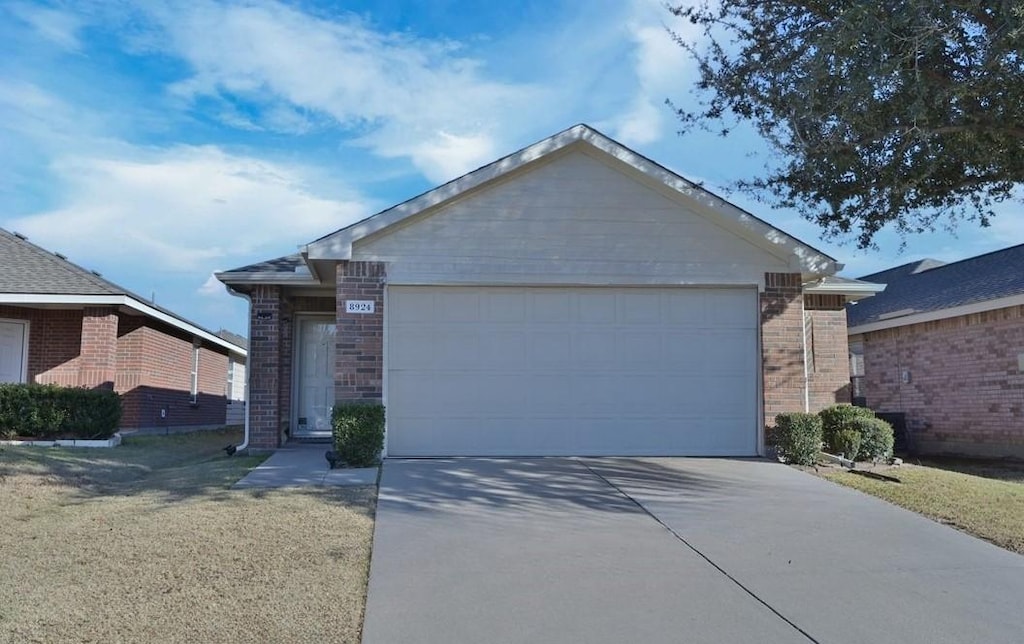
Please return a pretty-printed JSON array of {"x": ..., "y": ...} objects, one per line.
[
  {"x": 146, "y": 542},
  {"x": 985, "y": 499}
]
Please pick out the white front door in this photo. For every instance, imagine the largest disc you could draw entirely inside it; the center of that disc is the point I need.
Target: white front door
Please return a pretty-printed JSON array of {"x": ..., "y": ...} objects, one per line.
[
  {"x": 315, "y": 372},
  {"x": 13, "y": 345}
]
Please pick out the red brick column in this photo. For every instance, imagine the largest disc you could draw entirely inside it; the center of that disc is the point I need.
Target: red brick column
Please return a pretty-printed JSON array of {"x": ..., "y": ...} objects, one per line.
[
  {"x": 782, "y": 355},
  {"x": 97, "y": 361},
  {"x": 359, "y": 366},
  {"x": 829, "y": 381},
  {"x": 264, "y": 367}
]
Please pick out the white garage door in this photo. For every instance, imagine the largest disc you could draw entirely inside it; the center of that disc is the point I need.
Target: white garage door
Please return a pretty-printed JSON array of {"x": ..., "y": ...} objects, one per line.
[{"x": 571, "y": 371}]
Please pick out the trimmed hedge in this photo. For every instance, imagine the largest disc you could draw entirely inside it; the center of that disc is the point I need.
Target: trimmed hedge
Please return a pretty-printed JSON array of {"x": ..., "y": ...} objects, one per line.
[
  {"x": 46, "y": 412},
  {"x": 797, "y": 436},
  {"x": 876, "y": 438},
  {"x": 358, "y": 433},
  {"x": 847, "y": 442},
  {"x": 837, "y": 418}
]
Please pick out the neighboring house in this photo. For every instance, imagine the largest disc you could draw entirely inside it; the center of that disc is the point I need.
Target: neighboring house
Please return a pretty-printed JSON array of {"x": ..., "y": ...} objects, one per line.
[
  {"x": 63, "y": 324},
  {"x": 235, "y": 389},
  {"x": 944, "y": 344},
  {"x": 571, "y": 298}
]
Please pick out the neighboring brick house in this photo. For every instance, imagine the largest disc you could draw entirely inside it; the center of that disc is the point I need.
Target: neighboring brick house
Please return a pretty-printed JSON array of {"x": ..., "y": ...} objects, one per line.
[
  {"x": 571, "y": 298},
  {"x": 944, "y": 344},
  {"x": 65, "y": 325}
]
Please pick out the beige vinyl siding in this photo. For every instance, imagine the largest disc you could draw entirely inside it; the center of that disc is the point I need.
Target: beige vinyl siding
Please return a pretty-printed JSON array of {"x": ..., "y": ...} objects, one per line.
[{"x": 573, "y": 220}]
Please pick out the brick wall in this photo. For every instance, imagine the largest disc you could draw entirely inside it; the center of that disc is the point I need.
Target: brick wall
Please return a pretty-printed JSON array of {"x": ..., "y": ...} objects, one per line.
[
  {"x": 829, "y": 378},
  {"x": 359, "y": 367},
  {"x": 147, "y": 362},
  {"x": 966, "y": 390},
  {"x": 265, "y": 364},
  {"x": 782, "y": 328},
  {"x": 55, "y": 338}
]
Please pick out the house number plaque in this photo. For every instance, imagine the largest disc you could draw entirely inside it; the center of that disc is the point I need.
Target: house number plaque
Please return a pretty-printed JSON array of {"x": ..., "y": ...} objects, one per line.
[{"x": 359, "y": 306}]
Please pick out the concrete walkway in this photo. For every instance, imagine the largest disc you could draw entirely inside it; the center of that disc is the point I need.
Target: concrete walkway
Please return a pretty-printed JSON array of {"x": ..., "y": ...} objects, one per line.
[
  {"x": 304, "y": 465},
  {"x": 670, "y": 550}
]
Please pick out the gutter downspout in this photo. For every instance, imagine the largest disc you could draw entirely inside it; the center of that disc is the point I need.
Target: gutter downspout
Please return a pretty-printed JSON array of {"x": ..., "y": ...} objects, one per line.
[
  {"x": 803, "y": 346},
  {"x": 248, "y": 372}
]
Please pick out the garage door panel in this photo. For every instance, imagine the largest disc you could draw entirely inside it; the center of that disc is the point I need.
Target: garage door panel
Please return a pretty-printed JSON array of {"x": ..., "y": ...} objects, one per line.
[
  {"x": 730, "y": 309},
  {"x": 556, "y": 371},
  {"x": 549, "y": 307},
  {"x": 504, "y": 347},
  {"x": 593, "y": 306},
  {"x": 636, "y": 349},
  {"x": 550, "y": 348},
  {"x": 504, "y": 306}
]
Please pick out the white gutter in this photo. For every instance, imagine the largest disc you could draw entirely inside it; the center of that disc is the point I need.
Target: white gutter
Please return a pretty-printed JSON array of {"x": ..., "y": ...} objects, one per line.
[
  {"x": 248, "y": 374},
  {"x": 120, "y": 300},
  {"x": 803, "y": 346}
]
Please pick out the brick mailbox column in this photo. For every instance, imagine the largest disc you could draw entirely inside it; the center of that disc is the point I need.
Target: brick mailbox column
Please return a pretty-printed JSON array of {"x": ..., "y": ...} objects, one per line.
[{"x": 359, "y": 360}]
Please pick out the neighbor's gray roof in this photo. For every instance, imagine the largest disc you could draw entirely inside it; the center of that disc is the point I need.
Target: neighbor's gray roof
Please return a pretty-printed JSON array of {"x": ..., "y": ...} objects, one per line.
[
  {"x": 286, "y": 264},
  {"x": 27, "y": 268},
  {"x": 930, "y": 285}
]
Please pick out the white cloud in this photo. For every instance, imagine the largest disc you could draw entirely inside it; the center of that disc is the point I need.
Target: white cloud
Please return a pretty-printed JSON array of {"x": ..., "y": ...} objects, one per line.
[
  {"x": 662, "y": 69},
  {"x": 182, "y": 209},
  {"x": 212, "y": 287},
  {"x": 58, "y": 27},
  {"x": 401, "y": 95}
]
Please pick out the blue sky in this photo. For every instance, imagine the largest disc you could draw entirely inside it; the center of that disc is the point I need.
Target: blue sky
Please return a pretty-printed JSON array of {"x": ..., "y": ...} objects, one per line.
[{"x": 158, "y": 142}]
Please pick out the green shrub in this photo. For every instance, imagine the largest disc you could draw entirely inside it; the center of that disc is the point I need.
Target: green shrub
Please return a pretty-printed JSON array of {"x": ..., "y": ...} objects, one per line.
[
  {"x": 846, "y": 442},
  {"x": 837, "y": 418},
  {"x": 358, "y": 432},
  {"x": 876, "y": 438},
  {"x": 48, "y": 412},
  {"x": 797, "y": 437}
]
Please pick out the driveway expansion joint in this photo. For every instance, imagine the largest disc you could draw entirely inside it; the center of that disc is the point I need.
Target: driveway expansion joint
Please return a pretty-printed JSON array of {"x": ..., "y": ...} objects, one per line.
[{"x": 700, "y": 554}]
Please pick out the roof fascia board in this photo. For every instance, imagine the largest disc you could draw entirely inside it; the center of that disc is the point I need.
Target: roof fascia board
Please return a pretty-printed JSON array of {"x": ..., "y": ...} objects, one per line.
[
  {"x": 339, "y": 245},
  {"x": 762, "y": 234},
  {"x": 853, "y": 292},
  {"x": 265, "y": 278},
  {"x": 801, "y": 257},
  {"x": 121, "y": 300},
  {"x": 941, "y": 314}
]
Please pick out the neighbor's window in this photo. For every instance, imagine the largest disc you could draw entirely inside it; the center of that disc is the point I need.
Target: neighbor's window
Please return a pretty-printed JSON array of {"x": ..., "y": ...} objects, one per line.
[
  {"x": 194, "y": 391},
  {"x": 229, "y": 392},
  {"x": 857, "y": 369}
]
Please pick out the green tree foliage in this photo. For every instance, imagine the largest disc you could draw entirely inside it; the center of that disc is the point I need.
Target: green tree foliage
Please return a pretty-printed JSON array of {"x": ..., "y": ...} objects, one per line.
[{"x": 907, "y": 113}]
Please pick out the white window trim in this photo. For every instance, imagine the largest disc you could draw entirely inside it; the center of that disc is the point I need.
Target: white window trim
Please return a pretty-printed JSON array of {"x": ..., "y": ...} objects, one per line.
[{"x": 194, "y": 385}]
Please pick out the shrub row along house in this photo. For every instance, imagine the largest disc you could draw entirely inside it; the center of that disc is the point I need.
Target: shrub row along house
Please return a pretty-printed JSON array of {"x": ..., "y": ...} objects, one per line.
[
  {"x": 571, "y": 298},
  {"x": 62, "y": 324},
  {"x": 944, "y": 345}
]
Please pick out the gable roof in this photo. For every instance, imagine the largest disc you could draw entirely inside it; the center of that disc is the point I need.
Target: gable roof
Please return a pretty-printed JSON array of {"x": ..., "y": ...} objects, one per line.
[
  {"x": 931, "y": 289},
  {"x": 800, "y": 256},
  {"x": 27, "y": 268},
  {"x": 31, "y": 275},
  {"x": 289, "y": 269}
]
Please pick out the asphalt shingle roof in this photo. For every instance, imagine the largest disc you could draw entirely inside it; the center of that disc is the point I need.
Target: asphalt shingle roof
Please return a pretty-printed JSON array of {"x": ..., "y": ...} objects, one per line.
[
  {"x": 286, "y": 264},
  {"x": 27, "y": 268},
  {"x": 930, "y": 285}
]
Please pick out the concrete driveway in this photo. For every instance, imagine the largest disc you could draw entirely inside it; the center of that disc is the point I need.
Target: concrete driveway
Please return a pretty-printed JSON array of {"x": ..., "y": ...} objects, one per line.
[{"x": 670, "y": 550}]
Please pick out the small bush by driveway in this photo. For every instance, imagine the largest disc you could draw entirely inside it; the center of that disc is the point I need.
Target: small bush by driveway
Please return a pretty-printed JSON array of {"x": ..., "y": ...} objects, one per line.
[
  {"x": 146, "y": 542},
  {"x": 983, "y": 499}
]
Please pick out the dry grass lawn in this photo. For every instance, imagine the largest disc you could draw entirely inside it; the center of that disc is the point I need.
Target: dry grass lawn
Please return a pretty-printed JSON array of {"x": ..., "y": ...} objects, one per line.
[
  {"x": 985, "y": 499},
  {"x": 146, "y": 543}
]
